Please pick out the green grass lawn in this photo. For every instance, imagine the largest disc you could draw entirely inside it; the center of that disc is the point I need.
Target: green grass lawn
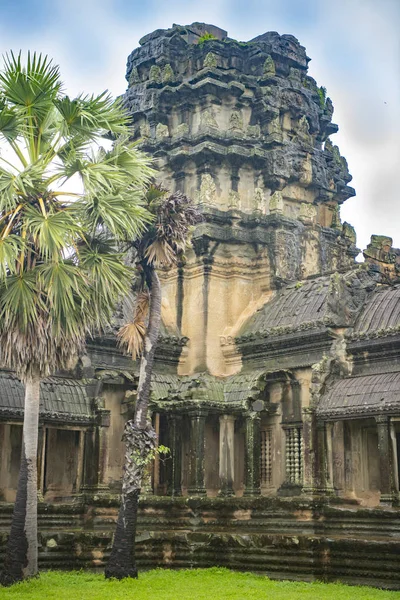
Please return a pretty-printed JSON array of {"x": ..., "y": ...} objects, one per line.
[{"x": 199, "y": 584}]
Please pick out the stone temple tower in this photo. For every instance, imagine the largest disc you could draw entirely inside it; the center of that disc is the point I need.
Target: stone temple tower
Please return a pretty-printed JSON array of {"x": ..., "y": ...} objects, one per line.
[{"x": 245, "y": 131}]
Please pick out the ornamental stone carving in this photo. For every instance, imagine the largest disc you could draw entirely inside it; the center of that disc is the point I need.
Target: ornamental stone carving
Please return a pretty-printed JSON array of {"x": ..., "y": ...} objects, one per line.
[
  {"x": 208, "y": 191},
  {"x": 269, "y": 67},
  {"x": 162, "y": 131},
  {"x": 182, "y": 129},
  {"x": 303, "y": 130},
  {"x": 144, "y": 130},
  {"x": 208, "y": 120},
  {"x": 234, "y": 200},
  {"x": 276, "y": 203},
  {"x": 167, "y": 73},
  {"x": 210, "y": 61},
  {"x": 253, "y": 131},
  {"x": 134, "y": 77},
  {"x": 259, "y": 200},
  {"x": 308, "y": 212},
  {"x": 236, "y": 122},
  {"x": 155, "y": 74}
]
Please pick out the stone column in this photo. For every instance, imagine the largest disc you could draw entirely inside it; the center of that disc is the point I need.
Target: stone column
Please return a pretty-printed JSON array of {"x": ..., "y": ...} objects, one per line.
[
  {"x": 226, "y": 454},
  {"x": 197, "y": 441},
  {"x": 5, "y": 450},
  {"x": 90, "y": 460},
  {"x": 338, "y": 457},
  {"x": 175, "y": 463},
  {"x": 395, "y": 457},
  {"x": 386, "y": 462},
  {"x": 323, "y": 472},
  {"x": 104, "y": 418},
  {"x": 252, "y": 455},
  {"x": 309, "y": 451},
  {"x": 329, "y": 455}
]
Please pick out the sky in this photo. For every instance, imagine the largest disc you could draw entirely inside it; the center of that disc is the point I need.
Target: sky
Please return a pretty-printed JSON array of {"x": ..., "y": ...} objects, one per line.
[{"x": 354, "y": 46}]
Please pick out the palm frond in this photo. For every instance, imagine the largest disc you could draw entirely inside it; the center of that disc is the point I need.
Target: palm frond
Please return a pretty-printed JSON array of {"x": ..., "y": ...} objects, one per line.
[
  {"x": 121, "y": 213},
  {"x": 10, "y": 249},
  {"x": 10, "y": 122},
  {"x": 160, "y": 254},
  {"x": 19, "y": 301},
  {"x": 30, "y": 87},
  {"x": 175, "y": 215},
  {"x": 52, "y": 231},
  {"x": 131, "y": 336}
]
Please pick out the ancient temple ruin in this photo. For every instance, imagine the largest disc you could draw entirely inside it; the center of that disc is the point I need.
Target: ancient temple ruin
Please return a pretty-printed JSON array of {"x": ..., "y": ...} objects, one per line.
[{"x": 277, "y": 377}]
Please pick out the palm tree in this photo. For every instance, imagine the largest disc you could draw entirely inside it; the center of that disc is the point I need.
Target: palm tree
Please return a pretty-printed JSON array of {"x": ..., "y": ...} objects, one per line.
[
  {"x": 160, "y": 246},
  {"x": 65, "y": 205}
]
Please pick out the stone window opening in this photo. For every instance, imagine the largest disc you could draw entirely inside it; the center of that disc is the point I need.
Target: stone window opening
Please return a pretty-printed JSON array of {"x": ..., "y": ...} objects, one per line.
[
  {"x": 266, "y": 457},
  {"x": 293, "y": 455}
]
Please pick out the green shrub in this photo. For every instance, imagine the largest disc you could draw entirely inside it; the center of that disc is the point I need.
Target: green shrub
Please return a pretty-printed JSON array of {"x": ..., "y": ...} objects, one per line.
[{"x": 206, "y": 37}]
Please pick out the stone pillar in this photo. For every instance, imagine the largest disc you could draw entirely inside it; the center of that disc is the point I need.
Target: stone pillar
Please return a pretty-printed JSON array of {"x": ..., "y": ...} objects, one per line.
[
  {"x": 175, "y": 463},
  {"x": 90, "y": 460},
  {"x": 338, "y": 457},
  {"x": 104, "y": 418},
  {"x": 309, "y": 451},
  {"x": 197, "y": 442},
  {"x": 226, "y": 454},
  {"x": 5, "y": 450},
  {"x": 81, "y": 459},
  {"x": 395, "y": 457},
  {"x": 386, "y": 462},
  {"x": 329, "y": 455},
  {"x": 323, "y": 473},
  {"x": 252, "y": 455}
]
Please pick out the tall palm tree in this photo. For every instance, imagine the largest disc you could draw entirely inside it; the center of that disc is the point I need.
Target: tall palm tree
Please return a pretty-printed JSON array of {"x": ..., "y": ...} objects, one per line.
[
  {"x": 65, "y": 204},
  {"x": 163, "y": 241}
]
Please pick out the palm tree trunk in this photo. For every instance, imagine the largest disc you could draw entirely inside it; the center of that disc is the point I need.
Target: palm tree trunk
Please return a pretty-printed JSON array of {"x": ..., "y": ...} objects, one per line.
[
  {"x": 140, "y": 440},
  {"x": 22, "y": 549}
]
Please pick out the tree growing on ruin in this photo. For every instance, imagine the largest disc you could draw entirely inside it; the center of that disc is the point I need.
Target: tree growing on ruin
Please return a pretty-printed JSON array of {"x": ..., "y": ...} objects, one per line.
[
  {"x": 65, "y": 203},
  {"x": 163, "y": 241}
]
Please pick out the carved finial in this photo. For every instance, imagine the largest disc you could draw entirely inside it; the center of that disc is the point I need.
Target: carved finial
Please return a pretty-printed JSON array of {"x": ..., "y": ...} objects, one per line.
[
  {"x": 236, "y": 121},
  {"x": 162, "y": 131},
  {"x": 210, "y": 61},
  {"x": 208, "y": 120},
  {"x": 276, "y": 203},
  {"x": 234, "y": 200},
  {"x": 269, "y": 67},
  {"x": 155, "y": 74},
  {"x": 259, "y": 200},
  {"x": 134, "y": 77},
  {"x": 167, "y": 74},
  {"x": 144, "y": 129}
]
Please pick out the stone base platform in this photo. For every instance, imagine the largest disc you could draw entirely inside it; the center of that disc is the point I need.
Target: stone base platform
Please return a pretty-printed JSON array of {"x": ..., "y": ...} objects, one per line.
[{"x": 292, "y": 538}]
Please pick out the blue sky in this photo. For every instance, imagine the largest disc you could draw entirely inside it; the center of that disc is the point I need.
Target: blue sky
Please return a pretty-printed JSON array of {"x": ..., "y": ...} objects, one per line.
[{"x": 354, "y": 46}]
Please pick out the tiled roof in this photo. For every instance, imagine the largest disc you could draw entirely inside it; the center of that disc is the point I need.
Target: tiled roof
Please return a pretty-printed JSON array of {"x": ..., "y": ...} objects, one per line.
[
  {"x": 58, "y": 396},
  {"x": 241, "y": 387},
  {"x": 236, "y": 388},
  {"x": 162, "y": 384},
  {"x": 292, "y": 306},
  {"x": 194, "y": 386},
  {"x": 382, "y": 311},
  {"x": 363, "y": 395}
]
